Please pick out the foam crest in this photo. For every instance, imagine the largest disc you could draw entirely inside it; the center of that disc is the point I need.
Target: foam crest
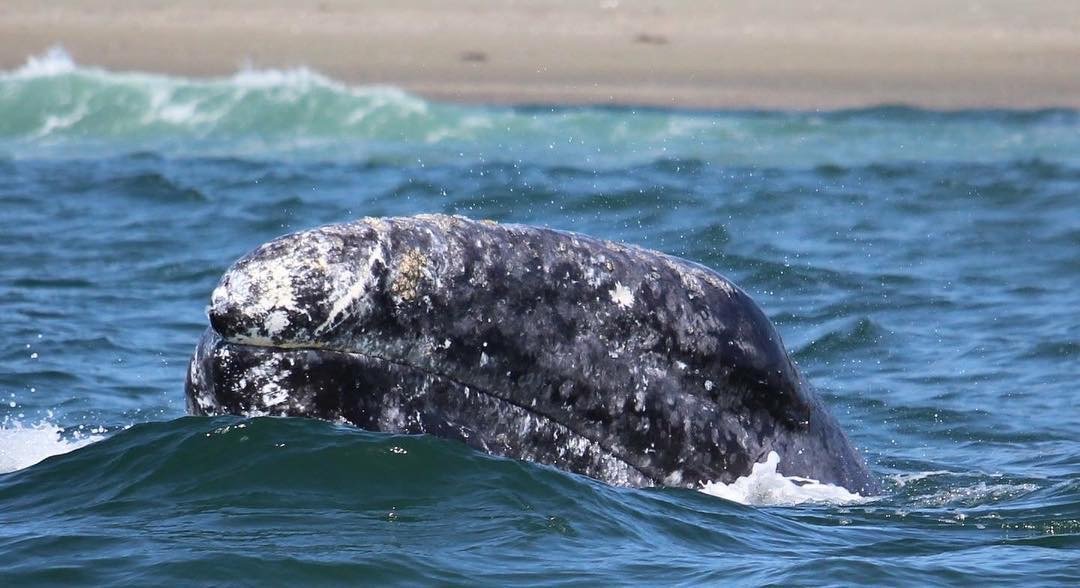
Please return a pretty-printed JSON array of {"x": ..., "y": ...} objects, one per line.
[
  {"x": 767, "y": 487},
  {"x": 53, "y": 103},
  {"x": 297, "y": 77},
  {"x": 55, "y": 61},
  {"x": 58, "y": 100},
  {"x": 22, "y": 446}
]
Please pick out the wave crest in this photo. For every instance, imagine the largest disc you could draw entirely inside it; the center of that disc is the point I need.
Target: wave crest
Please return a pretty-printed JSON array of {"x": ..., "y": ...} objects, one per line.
[{"x": 52, "y": 101}]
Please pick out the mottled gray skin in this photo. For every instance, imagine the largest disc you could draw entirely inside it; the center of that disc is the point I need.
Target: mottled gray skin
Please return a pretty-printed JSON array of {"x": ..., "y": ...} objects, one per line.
[{"x": 616, "y": 362}]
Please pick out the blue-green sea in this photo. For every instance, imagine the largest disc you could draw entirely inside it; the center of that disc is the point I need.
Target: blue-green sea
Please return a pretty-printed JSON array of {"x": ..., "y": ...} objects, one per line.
[{"x": 923, "y": 268}]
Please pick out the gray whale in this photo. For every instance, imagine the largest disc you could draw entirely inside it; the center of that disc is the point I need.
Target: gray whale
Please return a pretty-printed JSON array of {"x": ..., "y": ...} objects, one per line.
[{"x": 620, "y": 363}]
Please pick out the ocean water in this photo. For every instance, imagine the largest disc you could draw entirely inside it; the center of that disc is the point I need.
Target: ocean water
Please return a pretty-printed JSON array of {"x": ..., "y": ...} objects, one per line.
[{"x": 922, "y": 267}]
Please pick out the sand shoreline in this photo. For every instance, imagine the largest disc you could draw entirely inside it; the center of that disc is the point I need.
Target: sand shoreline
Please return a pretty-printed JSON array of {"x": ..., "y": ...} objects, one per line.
[{"x": 679, "y": 53}]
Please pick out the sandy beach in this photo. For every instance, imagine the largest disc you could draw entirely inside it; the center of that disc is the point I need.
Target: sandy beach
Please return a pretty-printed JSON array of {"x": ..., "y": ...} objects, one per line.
[{"x": 682, "y": 53}]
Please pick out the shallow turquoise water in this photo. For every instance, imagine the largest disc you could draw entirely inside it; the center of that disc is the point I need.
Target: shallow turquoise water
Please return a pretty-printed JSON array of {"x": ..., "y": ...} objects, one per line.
[{"x": 921, "y": 266}]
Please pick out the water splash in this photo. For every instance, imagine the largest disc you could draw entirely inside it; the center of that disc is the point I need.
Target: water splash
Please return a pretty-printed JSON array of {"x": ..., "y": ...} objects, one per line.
[
  {"x": 765, "y": 486},
  {"x": 22, "y": 446}
]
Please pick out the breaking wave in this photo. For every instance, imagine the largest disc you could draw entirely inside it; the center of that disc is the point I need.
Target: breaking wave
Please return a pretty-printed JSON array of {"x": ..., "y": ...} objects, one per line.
[{"x": 55, "y": 106}]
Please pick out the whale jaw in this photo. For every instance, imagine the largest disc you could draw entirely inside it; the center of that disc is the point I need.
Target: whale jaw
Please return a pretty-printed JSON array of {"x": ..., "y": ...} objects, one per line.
[{"x": 380, "y": 395}]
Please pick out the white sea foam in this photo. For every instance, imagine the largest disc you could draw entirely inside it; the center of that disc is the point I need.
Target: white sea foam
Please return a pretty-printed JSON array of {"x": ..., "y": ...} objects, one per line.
[
  {"x": 56, "y": 122},
  {"x": 201, "y": 104},
  {"x": 22, "y": 446},
  {"x": 767, "y": 487},
  {"x": 300, "y": 109},
  {"x": 55, "y": 61},
  {"x": 905, "y": 479},
  {"x": 297, "y": 77}
]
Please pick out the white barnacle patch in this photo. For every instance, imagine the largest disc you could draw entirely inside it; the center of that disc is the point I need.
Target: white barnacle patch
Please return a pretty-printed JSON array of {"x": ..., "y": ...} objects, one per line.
[
  {"x": 622, "y": 295},
  {"x": 276, "y": 322},
  {"x": 412, "y": 269},
  {"x": 273, "y": 394},
  {"x": 262, "y": 286},
  {"x": 351, "y": 298},
  {"x": 267, "y": 288},
  {"x": 266, "y": 383},
  {"x": 278, "y": 289},
  {"x": 205, "y": 402}
]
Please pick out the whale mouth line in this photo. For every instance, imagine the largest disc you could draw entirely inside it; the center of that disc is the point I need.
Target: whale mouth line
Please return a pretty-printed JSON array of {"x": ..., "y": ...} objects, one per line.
[{"x": 284, "y": 347}]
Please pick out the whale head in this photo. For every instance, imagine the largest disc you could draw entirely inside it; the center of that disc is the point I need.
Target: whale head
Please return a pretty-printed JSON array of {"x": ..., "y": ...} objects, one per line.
[{"x": 611, "y": 361}]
